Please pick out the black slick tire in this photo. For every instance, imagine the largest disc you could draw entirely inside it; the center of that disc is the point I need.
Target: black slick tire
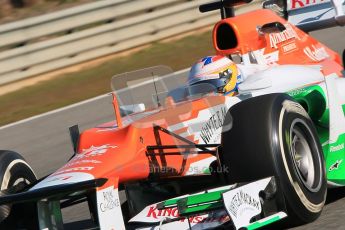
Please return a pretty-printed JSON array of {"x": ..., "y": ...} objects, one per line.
[
  {"x": 267, "y": 136},
  {"x": 15, "y": 176}
]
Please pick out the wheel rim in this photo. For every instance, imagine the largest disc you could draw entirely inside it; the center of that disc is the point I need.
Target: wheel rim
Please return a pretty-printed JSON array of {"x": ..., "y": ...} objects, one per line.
[{"x": 307, "y": 164}]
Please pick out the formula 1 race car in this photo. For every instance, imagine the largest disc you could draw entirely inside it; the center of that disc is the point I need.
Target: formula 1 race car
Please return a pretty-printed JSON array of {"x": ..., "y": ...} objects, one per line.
[{"x": 187, "y": 157}]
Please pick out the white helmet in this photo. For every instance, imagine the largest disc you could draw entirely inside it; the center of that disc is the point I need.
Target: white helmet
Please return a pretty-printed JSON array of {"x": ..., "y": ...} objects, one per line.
[{"x": 219, "y": 71}]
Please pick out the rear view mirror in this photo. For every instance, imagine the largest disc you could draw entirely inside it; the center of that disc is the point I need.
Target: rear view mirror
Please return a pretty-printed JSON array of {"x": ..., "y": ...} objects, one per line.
[
  {"x": 277, "y": 6},
  {"x": 309, "y": 15},
  {"x": 273, "y": 27},
  {"x": 129, "y": 109}
]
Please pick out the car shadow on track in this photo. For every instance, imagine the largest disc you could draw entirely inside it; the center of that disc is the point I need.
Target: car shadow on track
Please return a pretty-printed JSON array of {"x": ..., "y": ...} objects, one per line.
[{"x": 333, "y": 196}]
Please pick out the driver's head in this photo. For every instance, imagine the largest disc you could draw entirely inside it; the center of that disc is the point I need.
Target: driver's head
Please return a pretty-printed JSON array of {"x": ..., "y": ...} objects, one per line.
[{"x": 219, "y": 71}]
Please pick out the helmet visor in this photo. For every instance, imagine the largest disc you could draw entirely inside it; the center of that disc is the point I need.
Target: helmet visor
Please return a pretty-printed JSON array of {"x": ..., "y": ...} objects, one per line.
[{"x": 218, "y": 83}]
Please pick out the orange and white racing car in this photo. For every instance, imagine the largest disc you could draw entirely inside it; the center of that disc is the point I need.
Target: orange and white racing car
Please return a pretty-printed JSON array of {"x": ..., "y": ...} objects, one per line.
[{"x": 191, "y": 157}]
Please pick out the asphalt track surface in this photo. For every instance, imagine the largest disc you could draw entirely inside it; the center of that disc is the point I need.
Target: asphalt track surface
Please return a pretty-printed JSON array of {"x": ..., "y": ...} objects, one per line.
[{"x": 44, "y": 142}]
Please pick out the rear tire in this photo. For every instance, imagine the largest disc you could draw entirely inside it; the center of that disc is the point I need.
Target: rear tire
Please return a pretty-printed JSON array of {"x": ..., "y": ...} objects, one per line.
[
  {"x": 272, "y": 135},
  {"x": 15, "y": 176}
]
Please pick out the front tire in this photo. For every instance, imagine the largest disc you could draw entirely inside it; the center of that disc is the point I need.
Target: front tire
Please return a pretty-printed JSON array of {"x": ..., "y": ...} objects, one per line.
[
  {"x": 272, "y": 135},
  {"x": 15, "y": 176}
]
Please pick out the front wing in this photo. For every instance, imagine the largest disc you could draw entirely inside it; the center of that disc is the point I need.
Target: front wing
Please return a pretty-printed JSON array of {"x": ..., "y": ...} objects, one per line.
[{"x": 249, "y": 206}]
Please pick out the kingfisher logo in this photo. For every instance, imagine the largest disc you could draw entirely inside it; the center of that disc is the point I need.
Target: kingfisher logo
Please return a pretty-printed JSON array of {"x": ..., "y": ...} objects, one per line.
[
  {"x": 295, "y": 4},
  {"x": 172, "y": 213},
  {"x": 169, "y": 212}
]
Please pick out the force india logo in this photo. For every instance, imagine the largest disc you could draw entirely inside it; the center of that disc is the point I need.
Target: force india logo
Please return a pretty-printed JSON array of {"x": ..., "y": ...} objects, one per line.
[
  {"x": 277, "y": 38},
  {"x": 95, "y": 151},
  {"x": 242, "y": 200}
]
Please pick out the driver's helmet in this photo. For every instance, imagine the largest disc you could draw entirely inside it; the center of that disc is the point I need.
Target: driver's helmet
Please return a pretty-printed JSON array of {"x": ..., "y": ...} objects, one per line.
[{"x": 218, "y": 70}]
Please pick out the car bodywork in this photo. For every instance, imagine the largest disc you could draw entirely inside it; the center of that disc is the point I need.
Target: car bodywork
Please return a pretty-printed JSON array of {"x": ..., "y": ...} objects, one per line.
[{"x": 169, "y": 147}]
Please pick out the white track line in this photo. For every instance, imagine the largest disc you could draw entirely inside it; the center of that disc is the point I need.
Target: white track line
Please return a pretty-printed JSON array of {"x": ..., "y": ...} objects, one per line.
[{"x": 68, "y": 107}]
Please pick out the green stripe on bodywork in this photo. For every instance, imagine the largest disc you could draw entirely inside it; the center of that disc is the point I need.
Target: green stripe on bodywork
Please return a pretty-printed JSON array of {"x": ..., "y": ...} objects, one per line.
[
  {"x": 201, "y": 208},
  {"x": 257, "y": 225},
  {"x": 201, "y": 203},
  {"x": 197, "y": 203},
  {"x": 266, "y": 221},
  {"x": 169, "y": 203},
  {"x": 205, "y": 197},
  {"x": 207, "y": 171},
  {"x": 196, "y": 199},
  {"x": 315, "y": 99}
]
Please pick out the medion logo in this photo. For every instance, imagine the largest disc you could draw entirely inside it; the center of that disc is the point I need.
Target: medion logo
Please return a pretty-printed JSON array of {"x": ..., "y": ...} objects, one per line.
[{"x": 316, "y": 54}]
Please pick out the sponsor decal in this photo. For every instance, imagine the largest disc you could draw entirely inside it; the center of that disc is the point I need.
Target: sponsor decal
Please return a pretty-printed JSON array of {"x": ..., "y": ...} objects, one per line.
[
  {"x": 336, "y": 148},
  {"x": 95, "y": 151},
  {"x": 210, "y": 59},
  {"x": 297, "y": 92},
  {"x": 270, "y": 58},
  {"x": 82, "y": 162},
  {"x": 290, "y": 47},
  {"x": 172, "y": 213},
  {"x": 110, "y": 201},
  {"x": 70, "y": 177},
  {"x": 169, "y": 212},
  {"x": 215, "y": 122},
  {"x": 109, "y": 209},
  {"x": 316, "y": 54},
  {"x": 335, "y": 166},
  {"x": 241, "y": 202},
  {"x": 61, "y": 178},
  {"x": 278, "y": 38},
  {"x": 294, "y": 4},
  {"x": 86, "y": 168}
]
